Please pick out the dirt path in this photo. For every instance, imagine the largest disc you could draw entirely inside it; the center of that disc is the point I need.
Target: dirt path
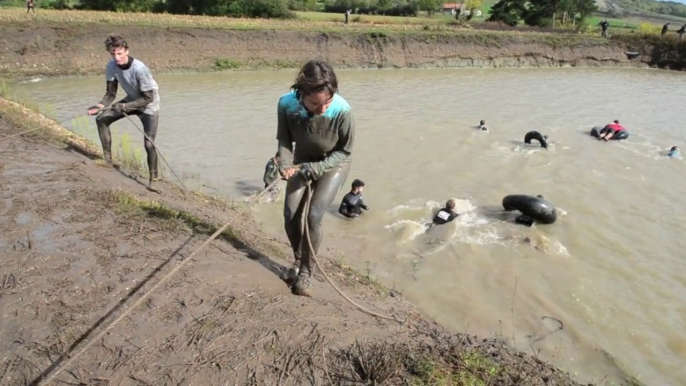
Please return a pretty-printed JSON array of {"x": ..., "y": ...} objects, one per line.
[{"x": 80, "y": 243}]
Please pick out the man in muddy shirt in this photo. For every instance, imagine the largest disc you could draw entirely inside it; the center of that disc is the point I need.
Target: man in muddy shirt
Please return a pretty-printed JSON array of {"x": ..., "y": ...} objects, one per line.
[{"x": 142, "y": 99}]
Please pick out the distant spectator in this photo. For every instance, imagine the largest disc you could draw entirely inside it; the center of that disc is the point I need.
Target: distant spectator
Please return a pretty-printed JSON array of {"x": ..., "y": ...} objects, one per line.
[
  {"x": 347, "y": 15},
  {"x": 29, "y": 6},
  {"x": 681, "y": 31},
  {"x": 665, "y": 28},
  {"x": 604, "y": 25}
]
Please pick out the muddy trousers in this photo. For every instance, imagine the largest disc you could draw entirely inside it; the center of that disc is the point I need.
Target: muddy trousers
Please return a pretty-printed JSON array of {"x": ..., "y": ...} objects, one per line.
[
  {"x": 324, "y": 190},
  {"x": 149, "y": 122}
]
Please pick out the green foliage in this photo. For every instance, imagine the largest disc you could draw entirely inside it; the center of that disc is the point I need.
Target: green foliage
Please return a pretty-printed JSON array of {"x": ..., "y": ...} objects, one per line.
[
  {"x": 382, "y": 7},
  {"x": 233, "y": 8},
  {"x": 653, "y": 6},
  {"x": 540, "y": 13}
]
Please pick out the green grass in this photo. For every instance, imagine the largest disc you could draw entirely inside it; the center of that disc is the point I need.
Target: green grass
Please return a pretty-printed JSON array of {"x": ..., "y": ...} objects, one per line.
[{"x": 475, "y": 370}]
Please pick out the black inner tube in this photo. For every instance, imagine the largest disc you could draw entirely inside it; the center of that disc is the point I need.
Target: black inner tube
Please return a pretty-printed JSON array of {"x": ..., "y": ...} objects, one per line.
[
  {"x": 598, "y": 130},
  {"x": 537, "y": 136},
  {"x": 534, "y": 209}
]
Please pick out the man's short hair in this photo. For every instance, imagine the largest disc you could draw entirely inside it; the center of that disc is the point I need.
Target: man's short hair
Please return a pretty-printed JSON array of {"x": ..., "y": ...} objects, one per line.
[{"x": 358, "y": 184}]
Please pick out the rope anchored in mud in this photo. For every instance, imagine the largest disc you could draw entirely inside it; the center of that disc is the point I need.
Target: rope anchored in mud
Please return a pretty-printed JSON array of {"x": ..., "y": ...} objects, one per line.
[
  {"x": 143, "y": 298},
  {"x": 313, "y": 256}
]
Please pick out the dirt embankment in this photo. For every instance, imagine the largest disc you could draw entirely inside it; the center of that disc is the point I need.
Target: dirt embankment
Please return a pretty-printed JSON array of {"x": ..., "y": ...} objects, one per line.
[
  {"x": 41, "y": 48},
  {"x": 81, "y": 244}
]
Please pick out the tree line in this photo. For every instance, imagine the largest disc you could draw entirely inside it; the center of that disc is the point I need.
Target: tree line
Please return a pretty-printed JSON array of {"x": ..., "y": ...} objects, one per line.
[{"x": 542, "y": 13}]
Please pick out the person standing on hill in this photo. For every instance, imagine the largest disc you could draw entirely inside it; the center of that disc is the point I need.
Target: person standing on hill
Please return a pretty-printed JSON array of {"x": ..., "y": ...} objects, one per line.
[
  {"x": 29, "y": 6},
  {"x": 142, "y": 99},
  {"x": 665, "y": 28},
  {"x": 681, "y": 31},
  {"x": 315, "y": 134},
  {"x": 604, "y": 25}
]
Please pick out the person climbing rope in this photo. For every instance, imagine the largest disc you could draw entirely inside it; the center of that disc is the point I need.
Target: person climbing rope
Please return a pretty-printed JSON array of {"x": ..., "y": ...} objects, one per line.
[
  {"x": 142, "y": 99},
  {"x": 319, "y": 122}
]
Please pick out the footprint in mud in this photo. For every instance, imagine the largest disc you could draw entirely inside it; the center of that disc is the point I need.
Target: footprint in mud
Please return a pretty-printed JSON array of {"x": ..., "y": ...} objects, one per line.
[
  {"x": 23, "y": 244},
  {"x": 8, "y": 281}
]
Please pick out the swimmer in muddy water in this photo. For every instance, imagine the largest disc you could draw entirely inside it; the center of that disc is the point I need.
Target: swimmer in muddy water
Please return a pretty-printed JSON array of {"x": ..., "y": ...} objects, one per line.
[
  {"x": 482, "y": 125},
  {"x": 446, "y": 214},
  {"x": 352, "y": 204},
  {"x": 315, "y": 134},
  {"x": 142, "y": 99},
  {"x": 673, "y": 152}
]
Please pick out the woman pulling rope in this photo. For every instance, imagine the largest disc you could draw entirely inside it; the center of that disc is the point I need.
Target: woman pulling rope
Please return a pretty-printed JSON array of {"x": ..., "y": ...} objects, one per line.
[{"x": 319, "y": 122}]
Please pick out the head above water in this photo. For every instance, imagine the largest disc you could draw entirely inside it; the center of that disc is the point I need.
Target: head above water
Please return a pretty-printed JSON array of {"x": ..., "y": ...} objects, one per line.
[
  {"x": 316, "y": 85},
  {"x": 674, "y": 148},
  {"x": 118, "y": 48},
  {"x": 482, "y": 122},
  {"x": 358, "y": 185},
  {"x": 450, "y": 204},
  {"x": 616, "y": 121}
]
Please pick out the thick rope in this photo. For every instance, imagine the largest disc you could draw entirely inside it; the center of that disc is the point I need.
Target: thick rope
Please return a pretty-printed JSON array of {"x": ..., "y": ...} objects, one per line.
[
  {"x": 157, "y": 149},
  {"x": 143, "y": 298},
  {"x": 313, "y": 255}
]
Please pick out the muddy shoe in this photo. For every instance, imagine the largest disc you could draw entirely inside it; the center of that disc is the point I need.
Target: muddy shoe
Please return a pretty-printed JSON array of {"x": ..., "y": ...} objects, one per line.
[
  {"x": 152, "y": 186},
  {"x": 302, "y": 286},
  {"x": 292, "y": 274}
]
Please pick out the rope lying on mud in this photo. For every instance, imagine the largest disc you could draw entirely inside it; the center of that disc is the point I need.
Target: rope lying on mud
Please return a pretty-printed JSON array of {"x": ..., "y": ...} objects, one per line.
[
  {"x": 313, "y": 255},
  {"x": 143, "y": 298},
  {"x": 156, "y": 148}
]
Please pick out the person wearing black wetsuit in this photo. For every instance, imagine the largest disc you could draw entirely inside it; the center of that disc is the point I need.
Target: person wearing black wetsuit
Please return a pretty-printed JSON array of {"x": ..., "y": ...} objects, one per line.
[
  {"x": 352, "y": 203},
  {"x": 271, "y": 171},
  {"x": 316, "y": 132},
  {"x": 445, "y": 215}
]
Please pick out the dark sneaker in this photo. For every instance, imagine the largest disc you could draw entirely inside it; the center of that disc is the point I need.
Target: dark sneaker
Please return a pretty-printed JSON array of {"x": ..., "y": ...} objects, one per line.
[
  {"x": 293, "y": 271},
  {"x": 302, "y": 286}
]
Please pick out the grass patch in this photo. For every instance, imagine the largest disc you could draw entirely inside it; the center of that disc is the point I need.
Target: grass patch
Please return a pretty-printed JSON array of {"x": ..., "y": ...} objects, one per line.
[
  {"x": 474, "y": 370},
  {"x": 226, "y": 64}
]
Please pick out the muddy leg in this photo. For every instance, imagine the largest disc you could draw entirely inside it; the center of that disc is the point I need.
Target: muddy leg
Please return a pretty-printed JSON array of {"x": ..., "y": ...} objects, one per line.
[{"x": 103, "y": 121}]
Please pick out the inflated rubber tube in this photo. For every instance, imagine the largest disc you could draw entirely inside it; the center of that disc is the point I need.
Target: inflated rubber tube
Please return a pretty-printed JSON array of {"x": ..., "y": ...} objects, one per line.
[
  {"x": 534, "y": 209},
  {"x": 597, "y": 130},
  {"x": 537, "y": 136}
]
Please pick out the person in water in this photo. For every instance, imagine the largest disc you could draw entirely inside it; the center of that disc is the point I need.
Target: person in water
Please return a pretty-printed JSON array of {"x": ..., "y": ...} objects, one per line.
[
  {"x": 610, "y": 130},
  {"x": 482, "y": 125},
  {"x": 142, "y": 99},
  {"x": 673, "y": 151},
  {"x": 352, "y": 203},
  {"x": 320, "y": 123},
  {"x": 445, "y": 215},
  {"x": 271, "y": 171}
]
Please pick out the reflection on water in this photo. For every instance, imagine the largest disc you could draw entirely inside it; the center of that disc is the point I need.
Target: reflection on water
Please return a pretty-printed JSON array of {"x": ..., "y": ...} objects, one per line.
[{"x": 611, "y": 267}]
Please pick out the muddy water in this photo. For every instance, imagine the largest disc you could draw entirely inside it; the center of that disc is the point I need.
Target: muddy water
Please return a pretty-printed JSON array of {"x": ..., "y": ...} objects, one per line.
[{"x": 600, "y": 290}]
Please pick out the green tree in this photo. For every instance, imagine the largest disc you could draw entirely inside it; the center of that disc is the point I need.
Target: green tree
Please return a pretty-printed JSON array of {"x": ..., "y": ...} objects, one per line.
[
  {"x": 430, "y": 6},
  {"x": 509, "y": 12}
]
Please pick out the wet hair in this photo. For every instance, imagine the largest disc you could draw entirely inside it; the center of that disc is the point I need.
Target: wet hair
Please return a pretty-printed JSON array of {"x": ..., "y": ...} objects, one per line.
[
  {"x": 617, "y": 121},
  {"x": 357, "y": 184},
  {"x": 115, "y": 41},
  {"x": 450, "y": 204},
  {"x": 482, "y": 122},
  {"x": 315, "y": 76},
  {"x": 673, "y": 148}
]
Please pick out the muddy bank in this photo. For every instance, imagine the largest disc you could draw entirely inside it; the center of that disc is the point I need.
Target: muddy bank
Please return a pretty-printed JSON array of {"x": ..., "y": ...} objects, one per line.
[
  {"x": 82, "y": 243},
  {"x": 45, "y": 48}
]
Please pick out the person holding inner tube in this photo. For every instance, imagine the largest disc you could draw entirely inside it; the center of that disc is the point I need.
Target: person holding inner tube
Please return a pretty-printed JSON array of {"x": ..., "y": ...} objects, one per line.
[
  {"x": 610, "y": 130},
  {"x": 319, "y": 122}
]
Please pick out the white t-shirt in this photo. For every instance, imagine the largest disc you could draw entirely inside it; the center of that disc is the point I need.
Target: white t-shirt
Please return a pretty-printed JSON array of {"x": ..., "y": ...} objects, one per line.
[{"x": 135, "y": 80}]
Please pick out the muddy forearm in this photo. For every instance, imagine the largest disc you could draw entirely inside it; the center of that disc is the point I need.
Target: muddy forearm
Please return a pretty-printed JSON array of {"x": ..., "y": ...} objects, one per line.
[
  {"x": 285, "y": 155},
  {"x": 139, "y": 104},
  {"x": 110, "y": 93}
]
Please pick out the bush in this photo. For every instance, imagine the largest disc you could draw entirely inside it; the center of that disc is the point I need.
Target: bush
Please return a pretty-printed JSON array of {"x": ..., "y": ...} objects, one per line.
[
  {"x": 649, "y": 29},
  {"x": 235, "y": 8}
]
